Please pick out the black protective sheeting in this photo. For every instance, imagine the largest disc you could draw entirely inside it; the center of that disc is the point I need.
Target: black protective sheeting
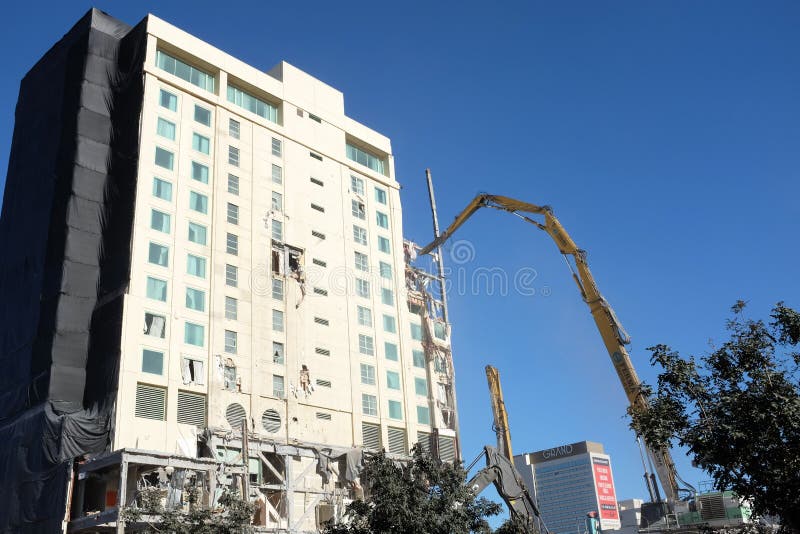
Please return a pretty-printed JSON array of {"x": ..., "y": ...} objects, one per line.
[{"x": 65, "y": 233}]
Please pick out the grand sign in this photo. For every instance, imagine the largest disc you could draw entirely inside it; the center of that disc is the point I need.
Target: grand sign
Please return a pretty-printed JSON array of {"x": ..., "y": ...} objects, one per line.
[{"x": 562, "y": 451}]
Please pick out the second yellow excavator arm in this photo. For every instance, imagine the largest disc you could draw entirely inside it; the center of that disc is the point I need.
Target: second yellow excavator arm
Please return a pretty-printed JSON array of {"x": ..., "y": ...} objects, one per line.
[{"x": 613, "y": 334}]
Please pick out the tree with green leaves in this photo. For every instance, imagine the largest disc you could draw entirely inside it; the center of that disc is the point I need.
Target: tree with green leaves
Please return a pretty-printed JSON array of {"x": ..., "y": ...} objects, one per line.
[
  {"x": 737, "y": 411},
  {"x": 232, "y": 516},
  {"x": 423, "y": 496}
]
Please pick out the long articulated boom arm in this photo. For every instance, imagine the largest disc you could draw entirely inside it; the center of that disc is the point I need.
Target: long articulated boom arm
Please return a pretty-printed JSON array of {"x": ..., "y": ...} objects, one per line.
[
  {"x": 499, "y": 412},
  {"x": 501, "y": 472},
  {"x": 614, "y": 336}
]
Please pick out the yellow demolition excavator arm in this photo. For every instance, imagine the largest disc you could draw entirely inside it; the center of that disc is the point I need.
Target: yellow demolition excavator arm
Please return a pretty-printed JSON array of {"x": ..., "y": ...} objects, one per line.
[{"x": 614, "y": 336}]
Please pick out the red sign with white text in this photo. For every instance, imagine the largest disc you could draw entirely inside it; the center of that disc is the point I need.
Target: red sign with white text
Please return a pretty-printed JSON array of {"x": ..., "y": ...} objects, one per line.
[{"x": 604, "y": 485}]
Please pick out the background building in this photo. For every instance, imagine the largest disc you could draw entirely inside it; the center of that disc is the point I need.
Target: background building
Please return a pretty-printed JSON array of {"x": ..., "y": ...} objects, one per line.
[
  {"x": 205, "y": 246},
  {"x": 568, "y": 481}
]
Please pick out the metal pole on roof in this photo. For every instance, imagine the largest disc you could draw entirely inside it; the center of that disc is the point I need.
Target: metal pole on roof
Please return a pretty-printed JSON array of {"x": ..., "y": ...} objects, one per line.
[{"x": 439, "y": 260}]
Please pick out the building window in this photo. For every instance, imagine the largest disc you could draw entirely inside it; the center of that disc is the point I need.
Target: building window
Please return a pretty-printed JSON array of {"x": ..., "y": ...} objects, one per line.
[
  {"x": 390, "y": 350},
  {"x": 358, "y": 210},
  {"x": 152, "y": 362},
  {"x": 357, "y": 185},
  {"x": 168, "y": 100},
  {"x": 277, "y": 174},
  {"x": 154, "y": 325},
  {"x": 421, "y": 386},
  {"x": 151, "y": 402},
  {"x": 233, "y": 213},
  {"x": 160, "y": 221},
  {"x": 184, "y": 71},
  {"x": 234, "y": 128},
  {"x": 315, "y": 156},
  {"x": 194, "y": 334},
  {"x": 158, "y": 255},
  {"x": 317, "y": 261},
  {"x": 202, "y": 115},
  {"x": 277, "y": 320},
  {"x": 380, "y": 195},
  {"x": 389, "y": 324},
  {"x": 362, "y": 261},
  {"x": 416, "y": 332},
  {"x": 321, "y": 382},
  {"x": 367, "y": 374},
  {"x": 277, "y": 353},
  {"x": 229, "y": 375},
  {"x": 164, "y": 158},
  {"x": 277, "y": 147},
  {"x": 423, "y": 415},
  {"x": 386, "y": 270},
  {"x": 277, "y": 230},
  {"x": 232, "y": 244},
  {"x": 196, "y": 266},
  {"x": 383, "y": 245},
  {"x": 231, "y": 340},
  {"x": 277, "y": 201},
  {"x": 195, "y": 299},
  {"x": 198, "y": 202},
  {"x": 199, "y": 172},
  {"x": 197, "y": 233},
  {"x": 162, "y": 189},
  {"x": 165, "y": 129},
  {"x": 253, "y": 104},
  {"x": 317, "y": 207},
  {"x": 387, "y": 297},
  {"x": 277, "y": 289},
  {"x": 382, "y": 219},
  {"x": 315, "y": 181},
  {"x": 359, "y": 155},
  {"x": 364, "y": 316},
  {"x": 317, "y": 234},
  {"x": 231, "y": 308},
  {"x": 201, "y": 143},
  {"x": 156, "y": 289},
  {"x": 392, "y": 380},
  {"x": 359, "y": 235},
  {"x": 233, "y": 156},
  {"x": 366, "y": 345},
  {"x": 231, "y": 275},
  {"x": 362, "y": 288},
  {"x": 278, "y": 387},
  {"x": 419, "y": 358},
  {"x": 369, "y": 404},
  {"x": 395, "y": 410},
  {"x": 233, "y": 184}
]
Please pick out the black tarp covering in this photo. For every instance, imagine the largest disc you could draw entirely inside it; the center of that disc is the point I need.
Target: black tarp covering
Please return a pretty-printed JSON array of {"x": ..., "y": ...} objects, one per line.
[{"x": 65, "y": 233}]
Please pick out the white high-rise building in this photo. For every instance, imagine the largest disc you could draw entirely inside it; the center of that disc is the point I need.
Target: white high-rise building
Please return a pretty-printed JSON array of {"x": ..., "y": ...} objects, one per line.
[{"x": 234, "y": 245}]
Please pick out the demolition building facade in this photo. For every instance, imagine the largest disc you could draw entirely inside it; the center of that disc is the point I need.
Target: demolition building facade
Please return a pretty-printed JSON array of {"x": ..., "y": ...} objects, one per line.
[{"x": 206, "y": 262}]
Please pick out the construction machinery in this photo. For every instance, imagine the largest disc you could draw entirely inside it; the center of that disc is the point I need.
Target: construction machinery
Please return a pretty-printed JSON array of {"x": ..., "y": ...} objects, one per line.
[
  {"x": 614, "y": 336},
  {"x": 500, "y": 469}
]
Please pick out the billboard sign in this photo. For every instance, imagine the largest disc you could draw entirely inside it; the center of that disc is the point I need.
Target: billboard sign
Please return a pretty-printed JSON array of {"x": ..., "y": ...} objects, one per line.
[{"x": 604, "y": 486}]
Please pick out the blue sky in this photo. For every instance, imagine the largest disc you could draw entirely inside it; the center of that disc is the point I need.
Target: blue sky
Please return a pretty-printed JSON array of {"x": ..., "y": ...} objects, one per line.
[{"x": 664, "y": 134}]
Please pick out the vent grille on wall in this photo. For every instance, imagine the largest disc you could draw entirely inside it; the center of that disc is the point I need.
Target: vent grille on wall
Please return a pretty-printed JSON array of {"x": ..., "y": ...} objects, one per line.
[
  {"x": 371, "y": 434},
  {"x": 397, "y": 440},
  {"x": 151, "y": 402},
  {"x": 271, "y": 421},
  {"x": 235, "y": 413},
  {"x": 191, "y": 408},
  {"x": 447, "y": 448}
]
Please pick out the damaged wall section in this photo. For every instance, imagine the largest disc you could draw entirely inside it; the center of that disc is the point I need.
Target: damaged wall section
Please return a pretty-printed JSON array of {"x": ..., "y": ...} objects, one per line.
[
  {"x": 65, "y": 231},
  {"x": 425, "y": 299}
]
